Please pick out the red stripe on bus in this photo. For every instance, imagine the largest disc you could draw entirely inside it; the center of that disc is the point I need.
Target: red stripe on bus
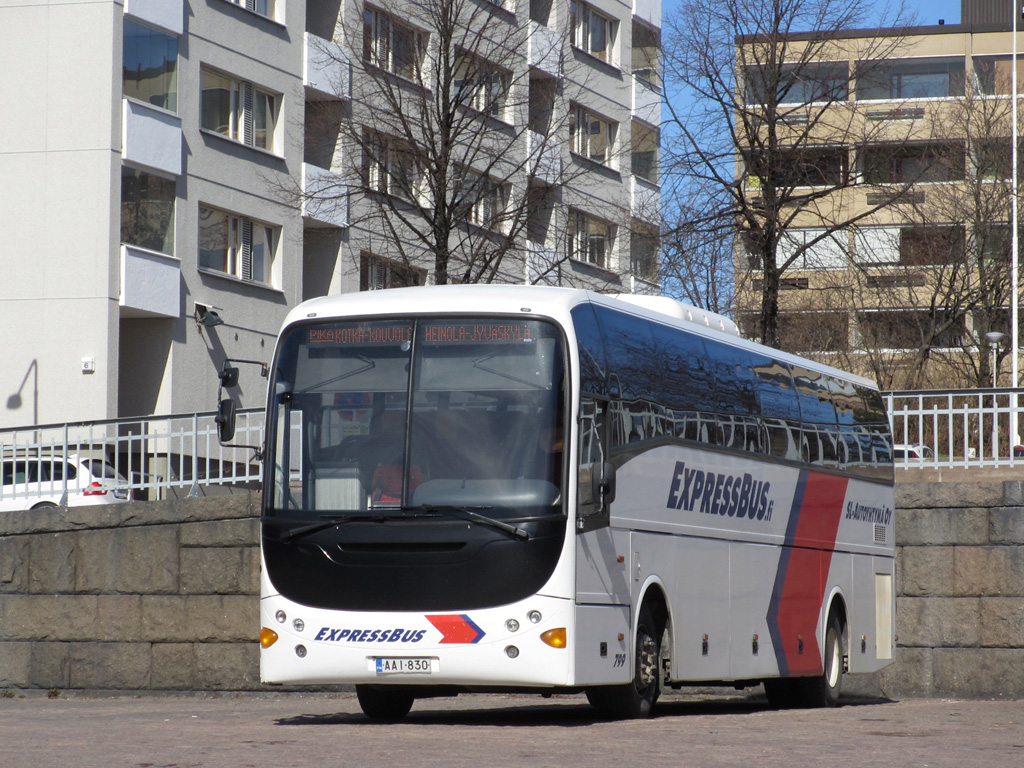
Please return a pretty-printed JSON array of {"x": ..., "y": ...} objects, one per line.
[{"x": 810, "y": 556}]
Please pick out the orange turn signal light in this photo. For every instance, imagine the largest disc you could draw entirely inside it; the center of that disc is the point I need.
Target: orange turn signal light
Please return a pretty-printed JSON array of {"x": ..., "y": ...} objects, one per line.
[
  {"x": 267, "y": 637},
  {"x": 554, "y": 637}
]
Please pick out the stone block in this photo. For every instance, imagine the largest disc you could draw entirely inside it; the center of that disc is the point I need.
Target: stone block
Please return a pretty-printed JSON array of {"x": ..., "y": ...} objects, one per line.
[
  {"x": 47, "y": 617},
  {"x": 949, "y": 495},
  {"x": 140, "y": 560},
  {"x": 924, "y": 571},
  {"x": 1006, "y": 526},
  {"x": 228, "y": 666},
  {"x": 921, "y": 527},
  {"x": 173, "y": 667},
  {"x": 15, "y": 664},
  {"x": 119, "y": 618},
  {"x": 979, "y": 673},
  {"x": 14, "y": 563},
  {"x": 988, "y": 571},
  {"x": 1002, "y": 622},
  {"x": 910, "y": 675},
  {"x": 203, "y": 618},
  {"x": 212, "y": 571},
  {"x": 52, "y": 559},
  {"x": 938, "y": 622},
  {"x": 117, "y": 666},
  {"x": 221, "y": 533},
  {"x": 50, "y": 666}
]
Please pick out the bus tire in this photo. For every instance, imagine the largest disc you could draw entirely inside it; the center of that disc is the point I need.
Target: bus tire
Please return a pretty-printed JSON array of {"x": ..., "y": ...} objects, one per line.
[
  {"x": 824, "y": 690},
  {"x": 636, "y": 699},
  {"x": 384, "y": 702},
  {"x": 813, "y": 692}
]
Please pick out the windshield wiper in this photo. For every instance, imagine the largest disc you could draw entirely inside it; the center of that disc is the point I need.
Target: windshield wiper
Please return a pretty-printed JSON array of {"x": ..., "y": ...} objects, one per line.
[
  {"x": 306, "y": 527},
  {"x": 470, "y": 513}
]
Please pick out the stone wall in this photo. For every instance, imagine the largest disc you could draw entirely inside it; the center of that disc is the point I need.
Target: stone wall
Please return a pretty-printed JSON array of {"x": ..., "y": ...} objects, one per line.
[
  {"x": 960, "y": 581},
  {"x": 163, "y": 596},
  {"x": 159, "y": 596}
]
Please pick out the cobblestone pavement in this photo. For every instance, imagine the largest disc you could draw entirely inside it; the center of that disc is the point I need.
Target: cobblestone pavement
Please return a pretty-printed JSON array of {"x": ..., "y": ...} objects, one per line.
[{"x": 328, "y": 730}]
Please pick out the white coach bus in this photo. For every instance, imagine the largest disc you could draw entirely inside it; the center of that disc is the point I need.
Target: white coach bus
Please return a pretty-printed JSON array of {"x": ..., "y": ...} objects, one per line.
[{"x": 507, "y": 488}]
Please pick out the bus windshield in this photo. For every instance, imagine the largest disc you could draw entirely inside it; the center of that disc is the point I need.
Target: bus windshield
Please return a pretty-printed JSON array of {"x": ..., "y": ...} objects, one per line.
[{"x": 398, "y": 417}]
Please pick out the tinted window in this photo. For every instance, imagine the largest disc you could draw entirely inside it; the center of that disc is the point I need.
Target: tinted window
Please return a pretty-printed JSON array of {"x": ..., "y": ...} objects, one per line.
[
  {"x": 687, "y": 389},
  {"x": 591, "y": 350}
]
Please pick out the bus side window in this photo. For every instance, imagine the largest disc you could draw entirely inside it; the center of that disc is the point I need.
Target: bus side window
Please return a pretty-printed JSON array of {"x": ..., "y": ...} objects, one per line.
[{"x": 592, "y": 503}]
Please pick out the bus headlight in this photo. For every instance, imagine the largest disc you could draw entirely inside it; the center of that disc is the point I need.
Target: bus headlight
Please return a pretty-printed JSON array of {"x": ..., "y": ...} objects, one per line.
[{"x": 554, "y": 637}]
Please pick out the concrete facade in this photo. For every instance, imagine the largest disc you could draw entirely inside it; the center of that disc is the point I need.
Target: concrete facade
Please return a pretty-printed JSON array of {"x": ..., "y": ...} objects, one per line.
[{"x": 163, "y": 596}]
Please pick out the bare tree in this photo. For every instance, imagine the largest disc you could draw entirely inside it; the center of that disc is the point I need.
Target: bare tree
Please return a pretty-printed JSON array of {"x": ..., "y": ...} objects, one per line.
[
  {"x": 771, "y": 126},
  {"x": 454, "y": 147}
]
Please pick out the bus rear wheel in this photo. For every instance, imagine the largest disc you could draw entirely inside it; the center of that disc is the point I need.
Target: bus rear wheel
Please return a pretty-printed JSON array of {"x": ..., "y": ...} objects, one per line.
[
  {"x": 636, "y": 699},
  {"x": 814, "y": 692},
  {"x": 384, "y": 702}
]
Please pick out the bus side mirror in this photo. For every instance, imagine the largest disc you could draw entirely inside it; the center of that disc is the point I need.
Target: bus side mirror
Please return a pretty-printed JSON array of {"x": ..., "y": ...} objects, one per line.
[
  {"x": 604, "y": 484},
  {"x": 225, "y": 420},
  {"x": 228, "y": 376}
]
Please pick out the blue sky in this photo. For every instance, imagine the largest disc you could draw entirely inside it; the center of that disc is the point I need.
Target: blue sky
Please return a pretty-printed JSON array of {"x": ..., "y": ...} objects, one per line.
[{"x": 931, "y": 12}]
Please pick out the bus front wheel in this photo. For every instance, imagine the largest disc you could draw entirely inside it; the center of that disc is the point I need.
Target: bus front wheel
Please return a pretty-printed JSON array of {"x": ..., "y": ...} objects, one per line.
[
  {"x": 384, "y": 702},
  {"x": 636, "y": 699}
]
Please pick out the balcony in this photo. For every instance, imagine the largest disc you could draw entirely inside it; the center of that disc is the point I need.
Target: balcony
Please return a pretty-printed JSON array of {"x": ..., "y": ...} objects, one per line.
[
  {"x": 324, "y": 198},
  {"x": 327, "y": 73},
  {"x": 545, "y": 157},
  {"x": 150, "y": 284},
  {"x": 646, "y": 103},
  {"x": 645, "y": 200},
  {"x": 150, "y": 137},
  {"x": 544, "y": 49},
  {"x": 648, "y": 10},
  {"x": 169, "y": 15}
]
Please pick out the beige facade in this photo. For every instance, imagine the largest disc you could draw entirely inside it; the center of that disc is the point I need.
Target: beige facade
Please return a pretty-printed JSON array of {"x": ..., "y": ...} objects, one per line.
[{"x": 903, "y": 266}]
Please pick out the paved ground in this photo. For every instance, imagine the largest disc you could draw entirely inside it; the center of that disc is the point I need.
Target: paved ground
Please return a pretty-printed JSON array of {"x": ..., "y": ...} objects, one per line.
[{"x": 564, "y": 732}]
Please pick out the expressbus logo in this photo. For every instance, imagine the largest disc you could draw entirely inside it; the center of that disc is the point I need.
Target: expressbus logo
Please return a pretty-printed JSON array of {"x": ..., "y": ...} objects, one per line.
[
  {"x": 370, "y": 635},
  {"x": 719, "y": 494}
]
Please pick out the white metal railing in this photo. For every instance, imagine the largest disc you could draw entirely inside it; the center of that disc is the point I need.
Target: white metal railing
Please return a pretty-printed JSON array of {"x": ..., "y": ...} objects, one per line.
[
  {"x": 152, "y": 458},
  {"x": 957, "y": 428}
]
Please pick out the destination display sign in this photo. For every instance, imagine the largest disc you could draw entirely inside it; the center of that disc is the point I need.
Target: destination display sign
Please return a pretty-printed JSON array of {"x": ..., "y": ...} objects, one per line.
[{"x": 433, "y": 332}]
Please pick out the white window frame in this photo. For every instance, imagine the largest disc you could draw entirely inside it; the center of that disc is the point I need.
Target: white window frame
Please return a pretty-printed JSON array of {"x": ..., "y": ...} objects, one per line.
[
  {"x": 265, "y": 8},
  {"x": 246, "y": 102},
  {"x": 387, "y": 161},
  {"x": 583, "y": 143},
  {"x": 381, "y": 273},
  {"x": 381, "y": 31},
  {"x": 251, "y": 246},
  {"x": 585, "y": 20},
  {"x": 587, "y": 245},
  {"x": 486, "y": 200}
]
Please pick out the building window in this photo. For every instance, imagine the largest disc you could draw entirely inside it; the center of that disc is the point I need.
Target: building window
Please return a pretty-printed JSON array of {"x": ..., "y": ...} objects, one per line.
[
  {"x": 483, "y": 200},
  {"x": 910, "y": 78},
  {"x": 805, "y": 83},
  {"x": 236, "y": 245},
  {"x": 994, "y": 74},
  {"x": 922, "y": 246},
  {"x": 239, "y": 110},
  {"x": 482, "y": 86},
  {"x": 914, "y": 163},
  {"x": 150, "y": 65},
  {"x": 392, "y": 45},
  {"x": 788, "y": 168},
  {"x": 147, "y": 210},
  {"x": 644, "y": 156},
  {"x": 590, "y": 135},
  {"x": 910, "y": 329},
  {"x": 590, "y": 238},
  {"x": 376, "y": 274},
  {"x": 592, "y": 31},
  {"x": 647, "y": 54},
  {"x": 813, "y": 331},
  {"x": 390, "y": 166},
  {"x": 263, "y": 7},
  {"x": 643, "y": 252}
]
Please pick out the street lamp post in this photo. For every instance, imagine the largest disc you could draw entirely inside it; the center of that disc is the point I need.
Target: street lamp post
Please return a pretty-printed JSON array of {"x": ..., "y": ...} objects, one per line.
[{"x": 994, "y": 338}]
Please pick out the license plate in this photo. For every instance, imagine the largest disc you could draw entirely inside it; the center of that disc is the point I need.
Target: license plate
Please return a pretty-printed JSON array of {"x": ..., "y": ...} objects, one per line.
[{"x": 404, "y": 666}]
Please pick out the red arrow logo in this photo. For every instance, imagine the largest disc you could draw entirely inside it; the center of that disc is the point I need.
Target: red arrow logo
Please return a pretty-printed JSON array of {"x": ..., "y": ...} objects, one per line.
[{"x": 456, "y": 628}]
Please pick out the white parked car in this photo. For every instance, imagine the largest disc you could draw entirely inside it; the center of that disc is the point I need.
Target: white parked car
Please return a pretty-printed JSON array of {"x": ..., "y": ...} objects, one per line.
[
  {"x": 909, "y": 453},
  {"x": 34, "y": 481}
]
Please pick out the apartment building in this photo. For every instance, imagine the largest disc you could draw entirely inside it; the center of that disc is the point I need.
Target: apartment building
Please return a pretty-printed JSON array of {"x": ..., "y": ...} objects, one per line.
[
  {"x": 901, "y": 266},
  {"x": 167, "y": 195}
]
